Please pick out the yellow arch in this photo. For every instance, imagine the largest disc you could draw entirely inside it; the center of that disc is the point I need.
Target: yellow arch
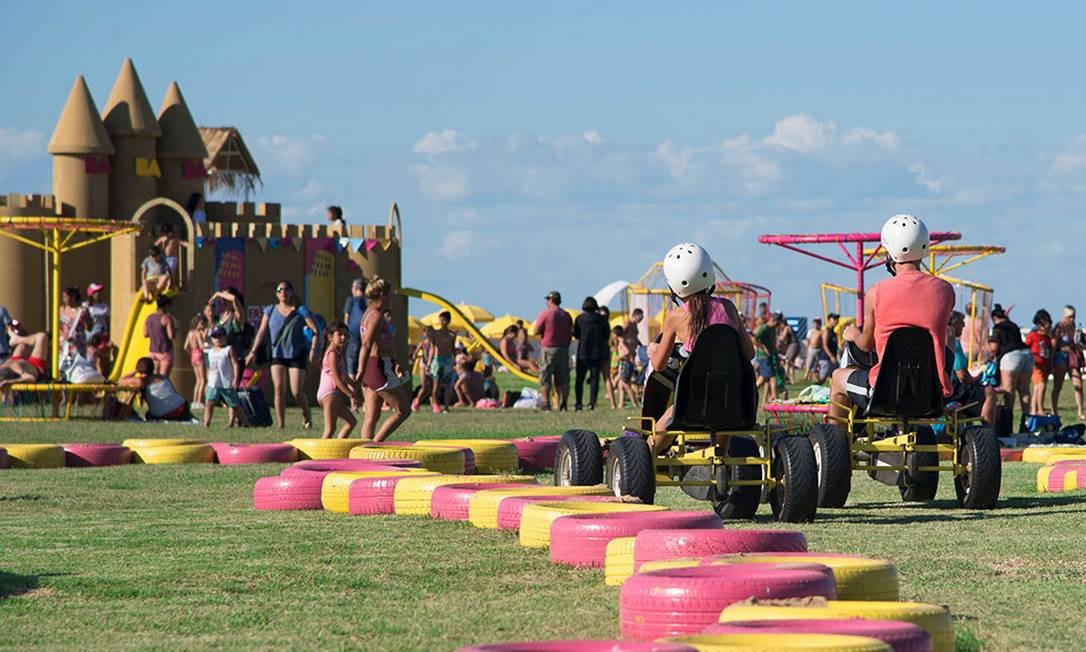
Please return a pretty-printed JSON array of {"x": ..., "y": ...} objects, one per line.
[
  {"x": 190, "y": 230},
  {"x": 472, "y": 330}
]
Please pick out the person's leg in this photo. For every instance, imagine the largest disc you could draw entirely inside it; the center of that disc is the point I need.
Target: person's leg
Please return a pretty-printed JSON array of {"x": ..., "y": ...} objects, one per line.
[
  {"x": 208, "y": 409},
  {"x": 343, "y": 412},
  {"x": 987, "y": 409},
  {"x": 578, "y": 383},
  {"x": 562, "y": 381},
  {"x": 461, "y": 390},
  {"x": 593, "y": 385},
  {"x": 279, "y": 387},
  {"x": 659, "y": 443},
  {"x": 609, "y": 382},
  {"x": 840, "y": 403},
  {"x": 1076, "y": 382},
  {"x": 1036, "y": 392},
  {"x": 331, "y": 413},
  {"x": 1057, "y": 386},
  {"x": 371, "y": 412},
  {"x": 398, "y": 399},
  {"x": 232, "y": 416},
  {"x": 197, "y": 394},
  {"x": 1022, "y": 387},
  {"x": 297, "y": 389},
  {"x": 167, "y": 363}
]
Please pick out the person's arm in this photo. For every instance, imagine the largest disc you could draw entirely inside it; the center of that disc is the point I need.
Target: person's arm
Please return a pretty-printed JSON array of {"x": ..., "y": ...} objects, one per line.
[
  {"x": 235, "y": 367},
  {"x": 865, "y": 339},
  {"x": 538, "y": 327},
  {"x": 341, "y": 382},
  {"x": 316, "y": 336},
  {"x": 659, "y": 356},
  {"x": 168, "y": 323},
  {"x": 258, "y": 339},
  {"x": 577, "y": 327}
]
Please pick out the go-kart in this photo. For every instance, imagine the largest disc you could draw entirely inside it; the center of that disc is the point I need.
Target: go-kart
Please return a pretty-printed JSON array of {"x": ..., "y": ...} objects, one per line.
[
  {"x": 718, "y": 453},
  {"x": 894, "y": 440}
]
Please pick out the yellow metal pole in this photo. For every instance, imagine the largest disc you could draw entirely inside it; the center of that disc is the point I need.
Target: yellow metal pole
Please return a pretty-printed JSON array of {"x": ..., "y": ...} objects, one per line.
[{"x": 54, "y": 268}]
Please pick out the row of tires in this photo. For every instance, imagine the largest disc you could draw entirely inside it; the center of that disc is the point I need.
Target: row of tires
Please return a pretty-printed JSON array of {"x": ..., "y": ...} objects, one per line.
[
  {"x": 1062, "y": 475},
  {"x": 447, "y": 456},
  {"x": 684, "y": 572}
]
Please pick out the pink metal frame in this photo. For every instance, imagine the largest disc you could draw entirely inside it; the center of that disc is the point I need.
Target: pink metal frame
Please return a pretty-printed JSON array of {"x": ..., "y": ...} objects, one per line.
[{"x": 857, "y": 262}]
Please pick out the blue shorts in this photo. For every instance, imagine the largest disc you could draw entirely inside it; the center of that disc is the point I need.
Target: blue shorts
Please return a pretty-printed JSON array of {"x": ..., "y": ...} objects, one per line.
[{"x": 225, "y": 395}]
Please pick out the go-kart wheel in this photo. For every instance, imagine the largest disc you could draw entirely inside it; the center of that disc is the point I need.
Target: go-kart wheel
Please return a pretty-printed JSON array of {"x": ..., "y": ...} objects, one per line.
[
  {"x": 833, "y": 456},
  {"x": 738, "y": 503},
  {"x": 578, "y": 460},
  {"x": 920, "y": 486},
  {"x": 630, "y": 469},
  {"x": 978, "y": 484},
  {"x": 795, "y": 498}
]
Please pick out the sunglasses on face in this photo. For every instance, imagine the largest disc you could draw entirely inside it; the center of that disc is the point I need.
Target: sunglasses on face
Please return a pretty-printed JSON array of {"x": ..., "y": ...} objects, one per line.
[{"x": 281, "y": 290}]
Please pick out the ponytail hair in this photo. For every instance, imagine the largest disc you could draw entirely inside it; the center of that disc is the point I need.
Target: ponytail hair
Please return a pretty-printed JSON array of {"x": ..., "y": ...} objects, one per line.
[{"x": 697, "y": 306}]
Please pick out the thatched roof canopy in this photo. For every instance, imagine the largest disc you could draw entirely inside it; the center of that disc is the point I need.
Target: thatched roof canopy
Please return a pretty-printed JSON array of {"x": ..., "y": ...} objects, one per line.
[{"x": 230, "y": 165}]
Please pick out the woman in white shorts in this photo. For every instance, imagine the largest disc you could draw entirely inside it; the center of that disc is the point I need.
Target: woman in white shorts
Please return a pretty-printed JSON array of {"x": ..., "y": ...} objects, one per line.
[{"x": 1015, "y": 359}]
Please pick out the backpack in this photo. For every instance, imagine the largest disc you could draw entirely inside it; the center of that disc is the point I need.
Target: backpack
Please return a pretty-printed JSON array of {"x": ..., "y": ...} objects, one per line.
[{"x": 321, "y": 326}]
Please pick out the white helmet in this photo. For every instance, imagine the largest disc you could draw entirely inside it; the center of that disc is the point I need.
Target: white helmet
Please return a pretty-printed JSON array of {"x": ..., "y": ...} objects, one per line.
[
  {"x": 688, "y": 269},
  {"x": 905, "y": 238}
]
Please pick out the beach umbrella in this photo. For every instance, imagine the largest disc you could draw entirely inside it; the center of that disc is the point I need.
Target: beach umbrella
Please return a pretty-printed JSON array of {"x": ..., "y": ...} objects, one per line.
[
  {"x": 456, "y": 324},
  {"x": 496, "y": 328},
  {"x": 414, "y": 328},
  {"x": 477, "y": 314}
]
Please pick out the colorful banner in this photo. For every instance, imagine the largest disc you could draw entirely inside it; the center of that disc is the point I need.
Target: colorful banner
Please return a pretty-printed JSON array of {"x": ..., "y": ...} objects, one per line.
[
  {"x": 320, "y": 277},
  {"x": 230, "y": 263}
]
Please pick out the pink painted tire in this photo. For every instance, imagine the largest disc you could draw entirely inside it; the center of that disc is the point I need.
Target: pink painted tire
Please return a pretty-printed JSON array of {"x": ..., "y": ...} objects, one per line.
[
  {"x": 1010, "y": 455},
  {"x": 301, "y": 491},
  {"x": 581, "y": 539},
  {"x": 580, "y": 646},
  {"x": 654, "y": 544},
  {"x": 680, "y": 601},
  {"x": 325, "y": 467},
  {"x": 369, "y": 496},
  {"x": 899, "y": 635},
  {"x": 450, "y": 502},
  {"x": 537, "y": 453},
  {"x": 511, "y": 509},
  {"x": 227, "y": 453},
  {"x": 5, "y": 463},
  {"x": 84, "y": 455}
]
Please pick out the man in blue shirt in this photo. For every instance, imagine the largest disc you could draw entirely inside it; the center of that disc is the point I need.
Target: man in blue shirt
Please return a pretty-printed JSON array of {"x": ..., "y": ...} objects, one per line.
[
  {"x": 353, "y": 310},
  {"x": 5, "y": 322}
]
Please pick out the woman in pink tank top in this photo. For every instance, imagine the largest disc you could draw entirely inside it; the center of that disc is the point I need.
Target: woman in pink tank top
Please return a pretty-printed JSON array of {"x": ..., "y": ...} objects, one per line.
[{"x": 335, "y": 385}]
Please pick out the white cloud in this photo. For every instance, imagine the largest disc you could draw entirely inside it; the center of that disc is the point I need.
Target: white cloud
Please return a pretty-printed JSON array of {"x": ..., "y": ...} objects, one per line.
[
  {"x": 925, "y": 177},
  {"x": 459, "y": 245},
  {"x": 294, "y": 157},
  {"x": 18, "y": 146},
  {"x": 442, "y": 182},
  {"x": 1067, "y": 171},
  {"x": 442, "y": 142},
  {"x": 801, "y": 133}
]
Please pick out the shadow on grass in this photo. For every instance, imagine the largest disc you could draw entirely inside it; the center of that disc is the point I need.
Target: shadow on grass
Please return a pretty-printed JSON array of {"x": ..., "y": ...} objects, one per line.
[
  {"x": 12, "y": 584},
  {"x": 949, "y": 510}
]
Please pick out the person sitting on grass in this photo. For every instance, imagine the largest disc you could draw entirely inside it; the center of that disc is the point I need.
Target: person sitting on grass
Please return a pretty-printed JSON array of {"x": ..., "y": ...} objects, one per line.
[
  {"x": 469, "y": 384},
  {"x": 909, "y": 298},
  {"x": 29, "y": 361},
  {"x": 336, "y": 384},
  {"x": 154, "y": 274},
  {"x": 223, "y": 375},
  {"x": 164, "y": 402},
  {"x": 691, "y": 277}
]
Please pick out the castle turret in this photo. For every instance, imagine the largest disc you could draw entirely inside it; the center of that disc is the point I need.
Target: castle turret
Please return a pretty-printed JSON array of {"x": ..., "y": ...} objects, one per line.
[
  {"x": 81, "y": 149},
  {"x": 132, "y": 127},
  {"x": 181, "y": 150}
]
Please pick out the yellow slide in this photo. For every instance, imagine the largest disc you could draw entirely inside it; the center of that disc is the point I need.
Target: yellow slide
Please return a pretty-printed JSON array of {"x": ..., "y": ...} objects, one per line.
[
  {"x": 472, "y": 330},
  {"x": 134, "y": 345}
]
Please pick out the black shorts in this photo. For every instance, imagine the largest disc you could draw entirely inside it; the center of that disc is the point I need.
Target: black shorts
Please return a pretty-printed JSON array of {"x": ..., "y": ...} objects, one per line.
[
  {"x": 297, "y": 362},
  {"x": 858, "y": 388}
]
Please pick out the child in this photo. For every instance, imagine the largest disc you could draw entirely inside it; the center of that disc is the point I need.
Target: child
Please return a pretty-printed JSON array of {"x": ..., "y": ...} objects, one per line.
[
  {"x": 164, "y": 403},
  {"x": 469, "y": 383},
  {"x": 1039, "y": 342},
  {"x": 222, "y": 377},
  {"x": 194, "y": 346},
  {"x": 154, "y": 273},
  {"x": 989, "y": 380},
  {"x": 101, "y": 353},
  {"x": 171, "y": 247},
  {"x": 490, "y": 386},
  {"x": 626, "y": 368},
  {"x": 335, "y": 383}
]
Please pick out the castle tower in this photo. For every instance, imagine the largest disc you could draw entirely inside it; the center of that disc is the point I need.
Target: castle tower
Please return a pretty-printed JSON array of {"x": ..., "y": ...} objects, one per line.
[
  {"x": 181, "y": 150},
  {"x": 81, "y": 149},
  {"x": 132, "y": 127}
]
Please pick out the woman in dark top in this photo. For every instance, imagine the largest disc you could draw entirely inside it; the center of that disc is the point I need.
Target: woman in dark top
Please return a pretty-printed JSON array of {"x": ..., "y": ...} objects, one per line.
[
  {"x": 591, "y": 331},
  {"x": 159, "y": 329},
  {"x": 284, "y": 323},
  {"x": 1015, "y": 359}
]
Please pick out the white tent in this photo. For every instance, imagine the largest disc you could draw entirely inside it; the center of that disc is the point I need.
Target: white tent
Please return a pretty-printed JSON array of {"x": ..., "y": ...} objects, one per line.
[{"x": 611, "y": 292}]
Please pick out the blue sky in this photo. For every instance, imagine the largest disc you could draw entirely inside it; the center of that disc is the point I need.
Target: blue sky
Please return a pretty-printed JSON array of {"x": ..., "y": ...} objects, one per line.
[{"x": 569, "y": 145}]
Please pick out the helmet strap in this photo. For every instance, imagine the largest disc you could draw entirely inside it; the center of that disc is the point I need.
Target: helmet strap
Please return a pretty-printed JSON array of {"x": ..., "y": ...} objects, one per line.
[{"x": 891, "y": 267}]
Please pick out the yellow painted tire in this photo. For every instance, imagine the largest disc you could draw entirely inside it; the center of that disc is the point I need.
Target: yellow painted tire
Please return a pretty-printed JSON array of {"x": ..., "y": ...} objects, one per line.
[
  {"x": 183, "y": 454},
  {"x": 483, "y": 506},
  {"x": 857, "y": 578},
  {"x": 618, "y": 561},
  {"x": 935, "y": 620},
  {"x": 536, "y": 519},
  {"x": 335, "y": 487},
  {"x": 34, "y": 456},
  {"x": 491, "y": 455},
  {"x": 442, "y": 460},
  {"x": 324, "y": 449},
  {"x": 1044, "y": 454},
  {"x": 767, "y": 642},
  {"x": 412, "y": 495},
  {"x": 147, "y": 443}
]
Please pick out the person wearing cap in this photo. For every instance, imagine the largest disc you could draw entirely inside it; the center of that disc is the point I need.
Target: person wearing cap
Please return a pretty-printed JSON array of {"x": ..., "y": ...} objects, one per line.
[
  {"x": 554, "y": 327},
  {"x": 98, "y": 310},
  {"x": 909, "y": 298},
  {"x": 1068, "y": 359},
  {"x": 353, "y": 309},
  {"x": 1015, "y": 360}
]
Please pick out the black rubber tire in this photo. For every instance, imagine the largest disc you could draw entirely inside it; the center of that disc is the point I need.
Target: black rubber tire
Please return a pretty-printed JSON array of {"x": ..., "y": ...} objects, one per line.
[
  {"x": 833, "y": 455},
  {"x": 739, "y": 503},
  {"x": 630, "y": 460},
  {"x": 795, "y": 498},
  {"x": 978, "y": 486},
  {"x": 920, "y": 486},
  {"x": 579, "y": 459}
]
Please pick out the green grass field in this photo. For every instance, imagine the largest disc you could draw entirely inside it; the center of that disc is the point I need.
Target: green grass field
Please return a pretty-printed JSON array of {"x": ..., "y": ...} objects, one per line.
[{"x": 175, "y": 557}]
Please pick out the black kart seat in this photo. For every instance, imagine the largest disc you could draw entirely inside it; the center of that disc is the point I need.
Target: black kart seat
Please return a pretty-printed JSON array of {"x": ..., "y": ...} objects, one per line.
[
  {"x": 908, "y": 384},
  {"x": 715, "y": 388}
]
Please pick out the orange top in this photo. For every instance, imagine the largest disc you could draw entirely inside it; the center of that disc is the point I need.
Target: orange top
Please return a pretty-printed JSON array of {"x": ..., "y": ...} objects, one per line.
[{"x": 912, "y": 298}]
